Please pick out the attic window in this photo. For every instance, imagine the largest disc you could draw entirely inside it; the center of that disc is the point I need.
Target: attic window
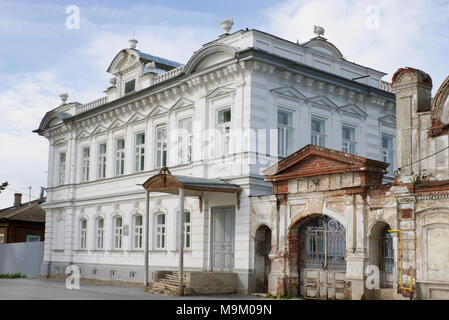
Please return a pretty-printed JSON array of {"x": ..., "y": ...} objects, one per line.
[{"x": 130, "y": 86}]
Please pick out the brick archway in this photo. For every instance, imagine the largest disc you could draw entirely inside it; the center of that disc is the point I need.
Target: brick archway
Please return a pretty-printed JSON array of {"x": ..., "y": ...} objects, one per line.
[{"x": 293, "y": 254}]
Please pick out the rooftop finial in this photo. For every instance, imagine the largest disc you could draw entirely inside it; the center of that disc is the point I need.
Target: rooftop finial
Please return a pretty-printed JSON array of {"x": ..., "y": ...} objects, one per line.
[
  {"x": 64, "y": 96},
  {"x": 133, "y": 43},
  {"x": 226, "y": 25},
  {"x": 319, "y": 31}
]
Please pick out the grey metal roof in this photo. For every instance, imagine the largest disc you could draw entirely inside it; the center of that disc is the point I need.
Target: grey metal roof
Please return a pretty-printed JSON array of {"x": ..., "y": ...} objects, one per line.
[
  {"x": 203, "y": 182},
  {"x": 156, "y": 59}
]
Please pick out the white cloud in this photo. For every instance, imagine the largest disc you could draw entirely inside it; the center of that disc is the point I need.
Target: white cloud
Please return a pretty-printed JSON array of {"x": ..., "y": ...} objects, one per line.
[{"x": 410, "y": 33}]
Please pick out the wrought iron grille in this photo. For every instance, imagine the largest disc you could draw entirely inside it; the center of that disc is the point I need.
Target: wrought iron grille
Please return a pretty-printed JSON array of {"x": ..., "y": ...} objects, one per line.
[
  {"x": 387, "y": 255},
  {"x": 325, "y": 244}
]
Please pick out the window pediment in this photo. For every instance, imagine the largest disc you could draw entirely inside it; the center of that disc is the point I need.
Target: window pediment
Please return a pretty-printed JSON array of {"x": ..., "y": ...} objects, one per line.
[
  {"x": 157, "y": 110},
  {"x": 389, "y": 121},
  {"x": 353, "y": 110},
  {"x": 83, "y": 134},
  {"x": 323, "y": 101},
  {"x": 136, "y": 117},
  {"x": 219, "y": 92},
  {"x": 181, "y": 104},
  {"x": 99, "y": 129},
  {"x": 116, "y": 124},
  {"x": 288, "y": 92}
]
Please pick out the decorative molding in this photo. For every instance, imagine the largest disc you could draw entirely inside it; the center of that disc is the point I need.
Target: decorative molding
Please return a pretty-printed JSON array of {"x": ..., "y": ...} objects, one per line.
[
  {"x": 182, "y": 103},
  {"x": 323, "y": 101},
  {"x": 353, "y": 110},
  {"x": 289, "y": 92},
  {"x": 220, "y": 91}
]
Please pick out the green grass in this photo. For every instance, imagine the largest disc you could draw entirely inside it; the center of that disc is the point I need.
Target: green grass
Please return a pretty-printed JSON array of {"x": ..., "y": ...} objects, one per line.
[{"x": 12, "y": 275}]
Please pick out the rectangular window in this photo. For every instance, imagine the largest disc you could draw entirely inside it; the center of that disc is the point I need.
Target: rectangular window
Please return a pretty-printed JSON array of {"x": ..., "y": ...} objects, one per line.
[
  {"x": 100, "y": 233},
  {"x": 140, "y": 152},
  {"x": 161, "y": 146},
  {"x": 130, "y": 86},
  {"x": 83, "y": 233},
  {"x": 85, "y": 164},
  {"x": 31, "y": 238},
  {"x": 61, "y": 168},
  {"x": 119, "y": 157},
  {"x": 388, "y": 152},
  {"x": 349, "y": 140},
  {"x": 224, "y": 128},
  {"x": 138, "y": 231},
  {"x": 118, "y": 233},
  {"x": 187, "y": 230},
  {"x": 102, "y": 160},
  {"x": 185, "y": 140},
  {"x": 318, "y": 132},
  {"x": 285, "y": 133},
  {"x": 160, "y": 231}
]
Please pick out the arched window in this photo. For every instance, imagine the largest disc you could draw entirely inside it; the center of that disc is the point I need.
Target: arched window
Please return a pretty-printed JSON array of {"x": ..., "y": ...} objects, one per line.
[
  {"x": 160, "y": 231},
  {"x": 99, "y": 233},
  {"x": 187, "y": 230},
  {"x": 118, "y": 232},
  {"x": 83, "y": 233},
  {"x": 138, "y": 231}
]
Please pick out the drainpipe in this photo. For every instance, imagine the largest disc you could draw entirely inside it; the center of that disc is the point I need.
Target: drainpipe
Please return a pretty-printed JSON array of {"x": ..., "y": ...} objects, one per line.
[{"x": 411, "y": 278}]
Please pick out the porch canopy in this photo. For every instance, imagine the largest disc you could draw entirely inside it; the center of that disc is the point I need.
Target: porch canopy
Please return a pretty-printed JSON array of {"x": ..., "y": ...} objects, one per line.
[
  {"x": 193, "y": 186},
  {"x": 165, "y": 182}
]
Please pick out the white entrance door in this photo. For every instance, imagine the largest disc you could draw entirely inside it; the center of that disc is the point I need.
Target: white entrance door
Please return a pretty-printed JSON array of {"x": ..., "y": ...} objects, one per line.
[{"x": 223, "y": 221}]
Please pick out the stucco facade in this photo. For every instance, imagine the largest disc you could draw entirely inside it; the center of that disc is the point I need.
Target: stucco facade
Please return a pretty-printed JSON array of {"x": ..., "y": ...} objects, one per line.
[{"x": 231, "y": 90}]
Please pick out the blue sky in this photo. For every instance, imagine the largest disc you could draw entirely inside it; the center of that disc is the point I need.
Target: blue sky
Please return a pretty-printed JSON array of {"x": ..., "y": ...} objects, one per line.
[{"x": 40, "y": 58}]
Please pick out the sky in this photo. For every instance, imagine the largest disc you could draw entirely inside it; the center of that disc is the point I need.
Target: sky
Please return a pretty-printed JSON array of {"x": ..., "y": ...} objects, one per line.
[{"x": 42, "y": 55}]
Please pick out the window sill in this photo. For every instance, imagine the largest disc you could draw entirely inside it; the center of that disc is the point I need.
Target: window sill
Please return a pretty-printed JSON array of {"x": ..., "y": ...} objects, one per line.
[{"x": 135, "y": 250}]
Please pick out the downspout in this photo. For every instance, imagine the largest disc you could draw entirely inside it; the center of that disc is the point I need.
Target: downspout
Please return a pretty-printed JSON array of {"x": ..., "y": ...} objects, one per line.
[{"x": 411, "y": 278}]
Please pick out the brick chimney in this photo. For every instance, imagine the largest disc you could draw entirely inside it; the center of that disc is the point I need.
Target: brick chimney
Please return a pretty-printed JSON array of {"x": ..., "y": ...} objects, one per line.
[{"x": 17, "y": 199}]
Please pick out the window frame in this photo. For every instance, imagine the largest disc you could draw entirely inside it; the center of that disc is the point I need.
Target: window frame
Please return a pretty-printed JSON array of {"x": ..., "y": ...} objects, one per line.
[
  {"x": 119, "y": 159},
  {"x": 102, "y": 160},
  {"x": 160, "y": 234},
  {"x": 139, "y": 152},
  {"x": 99, "y": 236},
  {"x": 289, "y": 128},
  {"x": 125, "y": 84},
  {"x": 353, "y": 142},
  {"x": 319, "y": 134},
  {"x": 82, "y": 234},
  {"x": 137, "y": 232},
  {"x": 390, "y": 168},
  {"x": 117, "y": 233},
  {"x": 163, "y": 148},
  {"x": 185, "y": 142},
  {"x": 85, "y": 164},
  {"x": 224, "y": 129}
]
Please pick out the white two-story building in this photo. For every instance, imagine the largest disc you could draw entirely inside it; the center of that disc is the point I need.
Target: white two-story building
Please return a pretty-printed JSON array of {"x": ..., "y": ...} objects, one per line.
[{"x": 240, "y": 103}]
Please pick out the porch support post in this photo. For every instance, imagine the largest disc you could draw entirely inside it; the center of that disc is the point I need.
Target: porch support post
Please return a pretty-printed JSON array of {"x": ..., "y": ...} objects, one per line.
[
  {"x": 147, "y": 237},
  {"x": 181, "y": 242}
]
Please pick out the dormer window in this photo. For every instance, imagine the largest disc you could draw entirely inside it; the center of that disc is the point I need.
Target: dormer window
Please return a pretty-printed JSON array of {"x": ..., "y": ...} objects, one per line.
[{"x": 130, "y": 86}]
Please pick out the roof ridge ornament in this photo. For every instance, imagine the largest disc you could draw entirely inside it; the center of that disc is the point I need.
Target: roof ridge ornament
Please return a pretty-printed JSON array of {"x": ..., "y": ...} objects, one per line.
[
  {"x": 64, "y": 96},
  {"x": 226, "y": 25},
  {"x": 133, "y": 43},
  {"x": 318, "y": 30}
]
